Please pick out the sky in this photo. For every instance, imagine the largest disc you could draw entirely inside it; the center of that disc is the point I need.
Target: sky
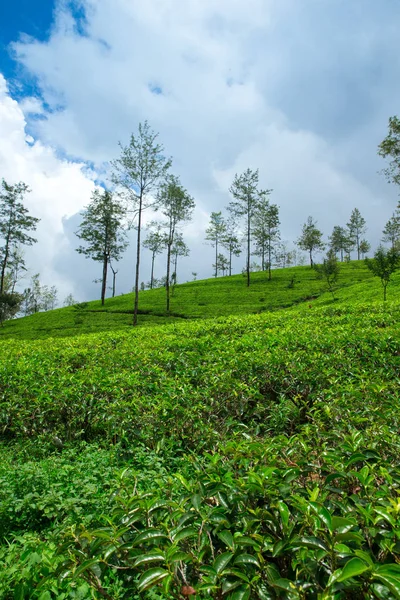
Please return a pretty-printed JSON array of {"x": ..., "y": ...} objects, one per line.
[{"x": 301, "y": 91}]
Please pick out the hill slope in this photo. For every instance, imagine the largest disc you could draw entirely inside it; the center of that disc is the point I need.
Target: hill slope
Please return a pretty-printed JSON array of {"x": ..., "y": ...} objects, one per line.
[
  {"x": 199, "y": 299},
  {"x": 245, "y": 457}
]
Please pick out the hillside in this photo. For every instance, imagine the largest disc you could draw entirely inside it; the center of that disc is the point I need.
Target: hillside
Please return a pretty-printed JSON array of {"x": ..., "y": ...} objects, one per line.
[
  {"x": 208, "y": 298},
  {"x": 251, "y": 456}
]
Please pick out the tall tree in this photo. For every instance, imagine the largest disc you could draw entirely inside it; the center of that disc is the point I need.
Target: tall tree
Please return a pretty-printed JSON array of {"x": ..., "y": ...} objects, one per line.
[
  {"x": 139, "y": 171},
  {"x": 365, "y": 247},
  {"x": 391, "y": 232},
  {"x": 310, "y": 239},
  {"x": 230, "y": 241},
  {"x": 329, "y": 270},
  {"x": 155, "y": 242},
  {"x": 383, "y": 265},
  {"x": 339, "y": 241},
  {"x": 102, "y": 230},
  {"x": 356, "y": 227},
  {"x": 266, "y": 230},
  {"x": 215, "y": 233},
  {"x": 244, "y": 190},
  {"x": 179, "y": 248},
  {"x": 177, "y": 206},
  {"x": 390, "y": 147},
  {"x": 15, "y": 222}
]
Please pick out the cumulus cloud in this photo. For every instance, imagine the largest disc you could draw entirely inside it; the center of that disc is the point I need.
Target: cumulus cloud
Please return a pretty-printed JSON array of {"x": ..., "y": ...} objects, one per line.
[
  {"x": 301, "y": 91},
  {"x": 59, "y": 187}
]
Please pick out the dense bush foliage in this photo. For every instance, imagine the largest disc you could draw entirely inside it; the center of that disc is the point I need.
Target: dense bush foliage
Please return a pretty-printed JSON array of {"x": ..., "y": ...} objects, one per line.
[{"x": 238, "y": 458}]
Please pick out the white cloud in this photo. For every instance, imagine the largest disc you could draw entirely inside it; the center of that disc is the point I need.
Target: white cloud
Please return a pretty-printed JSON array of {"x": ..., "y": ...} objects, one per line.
[{"x": 59, "y": 188}]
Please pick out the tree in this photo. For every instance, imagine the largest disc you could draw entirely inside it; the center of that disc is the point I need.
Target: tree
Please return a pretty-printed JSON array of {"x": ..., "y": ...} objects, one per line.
[
  {"x": 266, "y": 230},
  {"x": 310, "y": 239},
  {"x": 339, "y": 241},
  {"x": 283, "y": 256},
  {"x": 365, "y": 247},
  {"x": 49, "y": 297},
  {"x": 230, "y": 242},
  {"x": 155, "y": 242},
  {"x": 244, "y": 190},
  {"x": 101, "y": 229},
  {"x": 139, "y": 172},
  {"x": 114, "y": 272},
  {"x": 177, "y": 206},
  {"x": 329, "y": 270},
  {"x": 15, "y": 222},
  {"x": 221, "y": 264},
  {"x": 391, "y": 232},
  {"x": 10, "y": 304},
  {"x": 179, "y": 248},
  {"x": 390, "y": 147},
  {"x": 383, "y": 265},
  {"x": 215, "y": 233},
  {"x": 356, "y": 227},
  {"x": 69, "y": 300}
]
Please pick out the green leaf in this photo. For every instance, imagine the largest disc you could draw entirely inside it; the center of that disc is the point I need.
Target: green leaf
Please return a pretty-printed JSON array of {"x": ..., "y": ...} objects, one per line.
[
  {"x": 87, "y": 564},
  {"x": 246, "y": 559},
  {"x": 222, "y": 561},
  {"x": 227, "y": 538},
  {"x": 354, "y": 567},
  {"x": 383, "y": 514},
  {"x": 356, "y": 457},
  {"x": 322, "y": 513},
  {"x": 311, "y": 542},
  {"x": 151, "y": 577},
  {"x": 149, "y": 535},
  {"x": 241, "y": 593},
  {"x": 150, "y": 557},
  {"x": 342, "y": 525},
  {"x": 185, "y": 533},
  {"x": 284, "y": 512},
  {"x": 390, "y": 576},
  {"x": 196, "y": 501}
]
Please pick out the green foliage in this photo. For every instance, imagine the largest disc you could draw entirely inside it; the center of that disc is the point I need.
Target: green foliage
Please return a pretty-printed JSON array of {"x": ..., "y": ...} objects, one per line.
[
  {"x": 15, "y": 222},
  {"x": 215, "y": 233},
  {"x": 329, "y": 271},
  {"x": 101, "y": 229},
  {"x": 310, "y": 239},
  {"x": 138, "y": 173},
  {"x": 356, "y": 228},
  {"x": 266, "y": 231},
  {"x": 240, "y": 457},
  {"x": 9, "y": 305},
  {"x": 383, "y": 265},
  {"x": 246, "y": 197},
  {"x": 390, "y": 147}
]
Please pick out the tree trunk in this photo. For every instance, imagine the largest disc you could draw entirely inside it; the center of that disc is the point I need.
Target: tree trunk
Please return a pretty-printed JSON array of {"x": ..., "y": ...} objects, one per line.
[
  {"x": 216, "y": 257},
  {"x": 269, "y": 261},
  {"x": 104, "y": 280},
  {"x": 170, "y": 242},
  {"x": 5, "y": 261},
  {"x": 230, "y": 261},
  {"x": 311, "y": 260},
  {"x": 136, "y": 305},
  {"x": 152, "y": 270},
  {"x": 248, "y": 248},
  {"x": 114, "y": 278}
]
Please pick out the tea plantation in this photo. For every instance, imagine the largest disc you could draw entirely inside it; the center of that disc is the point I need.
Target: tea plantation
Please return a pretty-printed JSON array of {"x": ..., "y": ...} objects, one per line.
[{"x": 247, "y": 447}]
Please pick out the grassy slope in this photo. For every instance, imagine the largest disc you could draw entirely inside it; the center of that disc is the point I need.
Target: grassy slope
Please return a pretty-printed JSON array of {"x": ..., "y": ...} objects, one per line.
[
  {"x": 308, "y": 390},
  {"x": 200, "y": 299}
]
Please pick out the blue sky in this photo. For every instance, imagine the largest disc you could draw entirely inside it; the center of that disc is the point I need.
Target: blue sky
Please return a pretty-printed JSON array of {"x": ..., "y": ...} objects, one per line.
[
  {"x": 22, "y": 17},
  {"x": 301, "y": 90}
]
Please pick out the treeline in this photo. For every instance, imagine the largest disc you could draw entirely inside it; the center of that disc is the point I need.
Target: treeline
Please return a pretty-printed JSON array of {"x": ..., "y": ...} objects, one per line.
[{"x": 141, "y": 179}]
